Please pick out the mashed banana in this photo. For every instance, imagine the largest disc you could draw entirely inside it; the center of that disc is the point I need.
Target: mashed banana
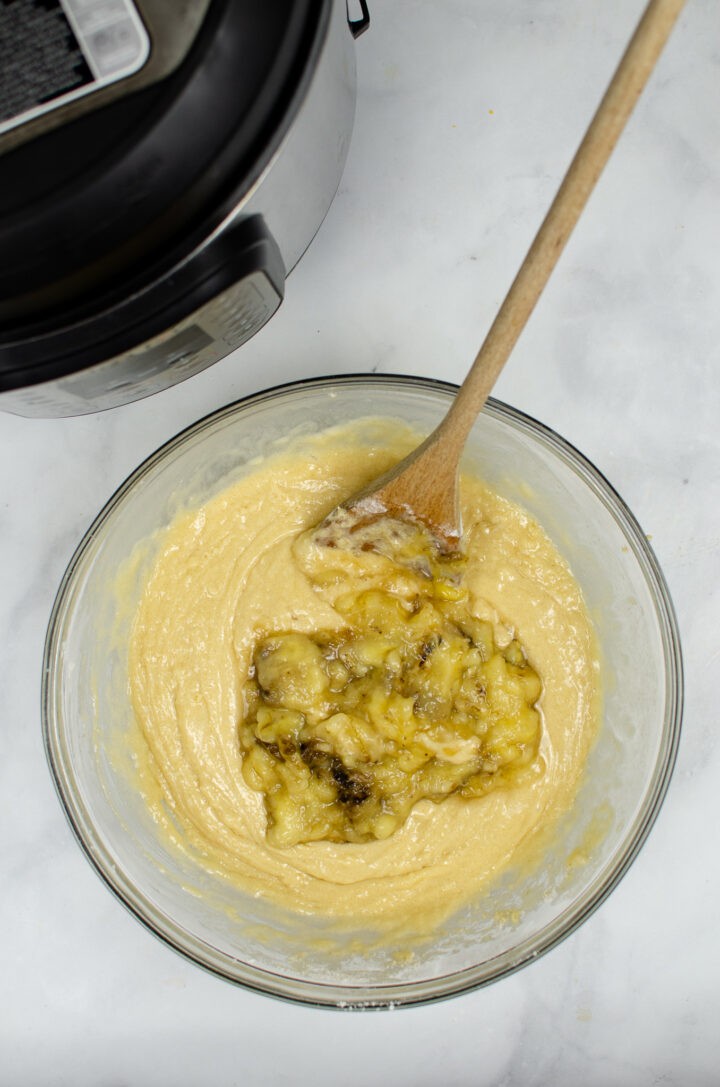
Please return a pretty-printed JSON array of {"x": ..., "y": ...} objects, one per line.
[
  {"x": 346, "y": 731},
  {"x": 231, "y": 586}
]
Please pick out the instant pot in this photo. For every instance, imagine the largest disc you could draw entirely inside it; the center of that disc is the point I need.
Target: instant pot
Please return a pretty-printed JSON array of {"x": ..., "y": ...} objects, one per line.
[{"x": 163, "y": 166}]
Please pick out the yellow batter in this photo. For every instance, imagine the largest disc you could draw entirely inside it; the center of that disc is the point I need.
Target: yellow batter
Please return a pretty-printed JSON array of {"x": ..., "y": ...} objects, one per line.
[{"x": 227, "y": 575}]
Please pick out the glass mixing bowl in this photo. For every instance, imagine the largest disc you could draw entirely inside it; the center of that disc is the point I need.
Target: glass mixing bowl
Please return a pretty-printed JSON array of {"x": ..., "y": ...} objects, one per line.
[{"x": 86, "y": 711}]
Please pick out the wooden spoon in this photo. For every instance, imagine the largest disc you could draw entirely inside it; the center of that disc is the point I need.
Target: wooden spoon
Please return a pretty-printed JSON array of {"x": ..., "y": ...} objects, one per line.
[{"x": 423, "y": 486}]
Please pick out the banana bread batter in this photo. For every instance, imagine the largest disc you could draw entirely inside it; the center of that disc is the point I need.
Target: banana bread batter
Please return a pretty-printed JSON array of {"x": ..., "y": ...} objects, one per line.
[{"x": 228, "y": 575}]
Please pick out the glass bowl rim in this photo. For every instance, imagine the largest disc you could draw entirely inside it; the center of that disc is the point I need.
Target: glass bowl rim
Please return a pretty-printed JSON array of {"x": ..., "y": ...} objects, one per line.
[{"x": 398, "y": 994}]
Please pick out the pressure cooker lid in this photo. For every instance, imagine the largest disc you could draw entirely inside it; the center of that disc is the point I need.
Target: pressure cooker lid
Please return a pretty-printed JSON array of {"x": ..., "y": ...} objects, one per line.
[{"x": 118, "y": 180}]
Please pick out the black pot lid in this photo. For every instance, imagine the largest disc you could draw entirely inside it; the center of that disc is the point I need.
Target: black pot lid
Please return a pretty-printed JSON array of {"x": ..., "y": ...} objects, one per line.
[{"x": 95, "y": 207}]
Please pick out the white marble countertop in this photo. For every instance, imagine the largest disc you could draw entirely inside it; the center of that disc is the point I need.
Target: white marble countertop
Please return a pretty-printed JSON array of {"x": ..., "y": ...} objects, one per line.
[{"x": 467, "y": 115}]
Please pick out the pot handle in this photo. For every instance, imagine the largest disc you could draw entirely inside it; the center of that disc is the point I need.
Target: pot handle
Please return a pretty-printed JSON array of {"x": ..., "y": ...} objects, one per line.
[
  {"x": 359, "y": 26},
  {"x": 244, "y": 260}
]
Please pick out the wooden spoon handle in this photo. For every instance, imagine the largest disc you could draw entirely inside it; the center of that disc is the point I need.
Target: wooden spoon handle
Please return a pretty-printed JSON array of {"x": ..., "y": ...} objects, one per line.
[
  {"x": 423, "y": 487},
  {"x": 630, "y": 77}
]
